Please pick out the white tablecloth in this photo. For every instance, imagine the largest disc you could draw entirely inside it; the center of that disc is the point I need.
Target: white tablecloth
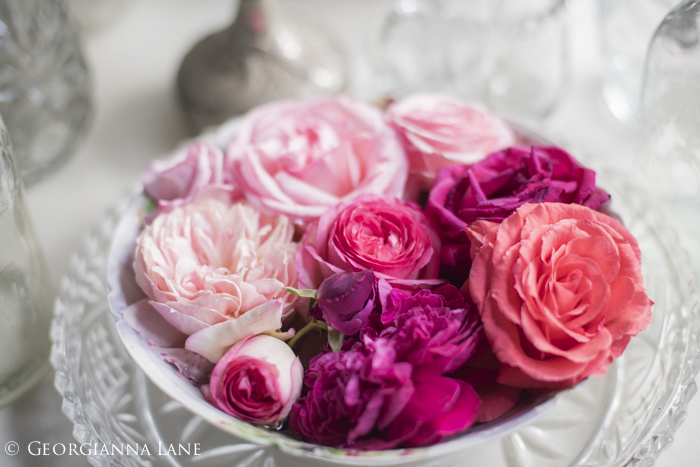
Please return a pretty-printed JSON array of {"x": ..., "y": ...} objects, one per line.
[{"x": 134, "y": 60}]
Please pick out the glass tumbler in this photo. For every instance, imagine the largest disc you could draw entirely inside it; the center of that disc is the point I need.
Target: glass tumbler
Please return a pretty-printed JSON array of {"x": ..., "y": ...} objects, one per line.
[
  {"x": 25, "y": 289},
  {"x": 527, "y": 57},
  {"x": 408, "y": 48},
  {"x": 44, "y": 84},
  {"x": 511, "y": 54},
  {"x": 626, "y": 27}
]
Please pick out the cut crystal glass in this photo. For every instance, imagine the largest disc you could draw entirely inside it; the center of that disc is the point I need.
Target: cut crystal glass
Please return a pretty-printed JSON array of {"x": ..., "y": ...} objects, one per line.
[
  {"x": 626, "y": 417},
  {"x": 44, "y": 85}
]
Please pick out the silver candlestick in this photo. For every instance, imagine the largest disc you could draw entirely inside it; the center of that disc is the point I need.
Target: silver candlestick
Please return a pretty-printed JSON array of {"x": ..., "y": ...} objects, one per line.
[{"x": 259, "y": 58}]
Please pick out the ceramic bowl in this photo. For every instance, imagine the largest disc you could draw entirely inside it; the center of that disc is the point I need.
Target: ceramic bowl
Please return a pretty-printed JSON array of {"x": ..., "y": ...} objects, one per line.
[{"x": 124, "y": 291}]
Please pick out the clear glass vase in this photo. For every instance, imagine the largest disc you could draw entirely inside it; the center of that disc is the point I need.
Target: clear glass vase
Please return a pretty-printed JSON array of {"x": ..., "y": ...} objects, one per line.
[
  {"x": 44, "y": 84},
  {"x": 408, "y": 49},
  {"x": 25, "y": 289},
  {"x": 670, "y": 121},
  {"x": 670, "y": 103},
  {"x": 509, "y": 54}
]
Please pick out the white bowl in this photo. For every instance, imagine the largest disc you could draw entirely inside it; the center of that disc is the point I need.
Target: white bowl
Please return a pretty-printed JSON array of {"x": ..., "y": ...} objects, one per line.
[{"x": 124, "y": 291}]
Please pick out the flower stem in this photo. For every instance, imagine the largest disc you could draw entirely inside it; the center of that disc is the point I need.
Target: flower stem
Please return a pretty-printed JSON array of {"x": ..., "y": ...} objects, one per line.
[{"x": 314, "y": 324}]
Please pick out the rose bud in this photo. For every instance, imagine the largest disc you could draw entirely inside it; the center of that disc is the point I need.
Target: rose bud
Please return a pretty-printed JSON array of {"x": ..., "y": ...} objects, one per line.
[
  {"x": 257, "y": 381},
  {"x": 346, "y": 300}
]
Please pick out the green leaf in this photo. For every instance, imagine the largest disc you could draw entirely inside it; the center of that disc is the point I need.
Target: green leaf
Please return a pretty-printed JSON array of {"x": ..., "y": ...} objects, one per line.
[
  {"x": 312, "y": 304},
  {"x": 150, "y": 207},
  {"x": 335, "y": 339},
  {"x": 303, "y": 293}
]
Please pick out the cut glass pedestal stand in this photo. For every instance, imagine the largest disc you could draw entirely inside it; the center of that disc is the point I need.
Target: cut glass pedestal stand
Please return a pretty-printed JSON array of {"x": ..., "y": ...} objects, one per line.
[{"x": 626, "y": 417}]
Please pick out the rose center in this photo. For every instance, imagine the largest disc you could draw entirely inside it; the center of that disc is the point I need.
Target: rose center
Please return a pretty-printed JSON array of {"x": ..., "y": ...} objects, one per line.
[
  {"x": 301, "y": 145},
  {"x": 377, "y": 237},
  {"x": 248, "y": 388}
]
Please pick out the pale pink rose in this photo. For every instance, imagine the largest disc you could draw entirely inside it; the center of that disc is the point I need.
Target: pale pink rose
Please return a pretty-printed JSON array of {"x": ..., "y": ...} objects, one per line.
[
  {"x": 216, "y": 272},
  {"x": 197, "y": 169},
  {"x": 389, "y": 236},
  {"x": 560, "y": 292},
  {"x": 439, "y": 130},
  {"x": 257, "y": 381},
  {"x": 301, "y": 157}
]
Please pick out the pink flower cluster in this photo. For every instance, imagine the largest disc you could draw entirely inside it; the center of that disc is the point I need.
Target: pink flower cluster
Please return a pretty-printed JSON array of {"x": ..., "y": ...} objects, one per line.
[{"x": 433, "y": 318}]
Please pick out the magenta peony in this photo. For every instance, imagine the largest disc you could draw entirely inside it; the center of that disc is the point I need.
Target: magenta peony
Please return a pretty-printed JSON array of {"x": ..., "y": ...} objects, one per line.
[
  {"x": 257, "y": 381},
  {"x": 436, "y": 328},
  {"x": 560, "y": 293},
  {"x": 439, "y": 131},
  {"x": 383, "y": 234},
  {"x": 365, "y": 399},
  {"x": 440, "y": 407},
  {"x": 207, "y": 265},
  {"x": 301, "y": 157},
  {"x": 495, "y": 187}
]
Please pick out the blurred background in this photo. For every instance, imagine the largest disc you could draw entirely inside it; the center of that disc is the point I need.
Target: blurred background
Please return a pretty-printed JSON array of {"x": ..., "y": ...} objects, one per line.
[{"x": 90, "y": 90}]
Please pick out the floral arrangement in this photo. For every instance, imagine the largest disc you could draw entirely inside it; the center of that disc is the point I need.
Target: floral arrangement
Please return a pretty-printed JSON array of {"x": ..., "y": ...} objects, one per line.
[{"x": 372, "y": 279}]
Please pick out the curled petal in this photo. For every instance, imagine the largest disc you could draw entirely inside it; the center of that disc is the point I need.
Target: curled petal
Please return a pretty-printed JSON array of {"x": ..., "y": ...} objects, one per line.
[
  {"x": 151, "y": 326},
  {"x": 214, "y": 341}
]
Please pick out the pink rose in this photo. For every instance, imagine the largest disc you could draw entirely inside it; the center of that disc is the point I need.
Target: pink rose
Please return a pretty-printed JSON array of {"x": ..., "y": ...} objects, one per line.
[
  {"x": 560, "y": 292},
  {"x": 197, "y": 169},
  {"x": 302, "y": 157},
  {"x": 257, "y": 381},
  {"x": 216, "y": 272},
  {"x": 389, "y": 236},
  {"x": 439, "y": 130}
]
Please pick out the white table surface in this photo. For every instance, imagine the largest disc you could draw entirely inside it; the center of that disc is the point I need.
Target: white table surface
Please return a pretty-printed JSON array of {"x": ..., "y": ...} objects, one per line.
[{"x": 134, "y": 60}]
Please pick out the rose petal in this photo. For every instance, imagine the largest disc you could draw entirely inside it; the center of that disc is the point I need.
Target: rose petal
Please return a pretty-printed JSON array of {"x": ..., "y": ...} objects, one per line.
[
  {"x": 214, "y": 341},
  {"x": 151, "y": 326}
]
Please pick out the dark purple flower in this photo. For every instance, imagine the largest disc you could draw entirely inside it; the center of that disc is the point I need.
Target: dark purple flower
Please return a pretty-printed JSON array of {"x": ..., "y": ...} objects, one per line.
[
  {"x": 364, "y": 398},
  {"x": 495, "y": 187},
  {"x": 351, "y": 395},
  {"x": 345, "y": 300},
  {"x": 438, "y": 328}
]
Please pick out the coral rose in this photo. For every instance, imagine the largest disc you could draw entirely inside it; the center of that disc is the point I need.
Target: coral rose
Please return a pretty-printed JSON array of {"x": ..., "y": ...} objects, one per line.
[
  {"x": 560, "y": 292},
  {"x": 215, "y": 272},
  {"x": 389, "y": 236},
  {"x": 301, "y": 157},
  {"x": 257, "y": 381},
  {"x": 440, "y": 130}
]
